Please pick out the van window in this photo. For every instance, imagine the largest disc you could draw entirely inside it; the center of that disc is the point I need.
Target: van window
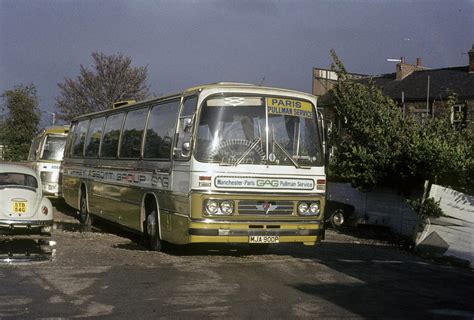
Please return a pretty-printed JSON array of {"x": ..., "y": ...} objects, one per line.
[
  {"x": 79, "y": 138},
  {"x": 160, "y": 130},
  {"x": 132, "y": 135},
  {"x": 111, "y": 136},
  {"x": 34, "y": 148},
  {"x": 93, "y": 137},
  {"x": 53, "y": 148}
]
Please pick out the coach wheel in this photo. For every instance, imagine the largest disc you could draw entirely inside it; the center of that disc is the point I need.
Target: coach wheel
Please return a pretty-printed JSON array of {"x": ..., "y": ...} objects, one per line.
[
  {"x": 152, "y": 231},
  {"x": 84, "y": 216}
]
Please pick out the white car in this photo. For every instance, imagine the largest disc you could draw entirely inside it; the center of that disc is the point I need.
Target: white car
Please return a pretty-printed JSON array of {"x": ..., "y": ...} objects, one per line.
[{"x": 23, "y": 208}]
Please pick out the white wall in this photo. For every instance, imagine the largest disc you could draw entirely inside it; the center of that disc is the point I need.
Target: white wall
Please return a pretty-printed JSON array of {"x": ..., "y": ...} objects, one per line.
[
  {"x": 378, "y": 207},
  {"x": 457, "y": 227}
]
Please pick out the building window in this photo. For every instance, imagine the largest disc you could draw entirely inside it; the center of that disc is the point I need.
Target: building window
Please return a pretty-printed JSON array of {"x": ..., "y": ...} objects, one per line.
[{"x": 458, "y": 116}]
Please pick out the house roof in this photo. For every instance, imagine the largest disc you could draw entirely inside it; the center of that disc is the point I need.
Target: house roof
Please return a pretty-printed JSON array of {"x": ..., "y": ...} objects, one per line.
[{"x": 415, "y": 85}]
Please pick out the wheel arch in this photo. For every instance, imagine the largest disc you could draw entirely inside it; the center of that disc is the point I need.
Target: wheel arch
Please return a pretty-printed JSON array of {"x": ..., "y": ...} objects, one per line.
[{"x": 150, "y": 202}]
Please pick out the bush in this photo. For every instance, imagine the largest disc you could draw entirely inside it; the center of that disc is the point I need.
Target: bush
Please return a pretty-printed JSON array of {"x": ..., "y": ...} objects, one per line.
[
  {"x": 430, "y": 208},
  {"x": 377, "y": 146}
]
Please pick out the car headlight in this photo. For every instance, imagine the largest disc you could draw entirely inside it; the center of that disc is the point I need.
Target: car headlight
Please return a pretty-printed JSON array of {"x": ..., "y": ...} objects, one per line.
[
  {"x": 219, "y": 207},
  {"x": 309, "y": 209}
]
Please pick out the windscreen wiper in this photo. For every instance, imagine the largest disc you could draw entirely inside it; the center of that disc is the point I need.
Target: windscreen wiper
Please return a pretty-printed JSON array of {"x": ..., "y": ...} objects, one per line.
[
  {"x": 288, "y": 155},
  {"x": 249, "y": 149}
]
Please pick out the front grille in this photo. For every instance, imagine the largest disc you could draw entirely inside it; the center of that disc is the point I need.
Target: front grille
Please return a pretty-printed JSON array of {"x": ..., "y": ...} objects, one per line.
[
  {"x": 47, "y": 176},
  {"x": 268, "y": 208}
]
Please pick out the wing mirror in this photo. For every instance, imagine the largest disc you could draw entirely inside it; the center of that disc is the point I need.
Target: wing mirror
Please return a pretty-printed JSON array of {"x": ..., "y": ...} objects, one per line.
[{"x": 187, "y": 122}]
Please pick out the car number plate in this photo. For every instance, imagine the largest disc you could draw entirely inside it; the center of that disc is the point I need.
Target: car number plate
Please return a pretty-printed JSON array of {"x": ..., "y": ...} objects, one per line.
[
  {"x": 20, "y": 206},
  {"x": 264, "y": 239}
]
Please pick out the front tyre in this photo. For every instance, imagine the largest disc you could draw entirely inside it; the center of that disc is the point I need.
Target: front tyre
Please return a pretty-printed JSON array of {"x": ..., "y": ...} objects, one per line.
[{"x": 152, "y": 231}]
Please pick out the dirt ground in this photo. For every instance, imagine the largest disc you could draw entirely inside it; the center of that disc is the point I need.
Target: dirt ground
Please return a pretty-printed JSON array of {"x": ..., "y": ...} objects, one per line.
[{"x": 110, "y": 273}]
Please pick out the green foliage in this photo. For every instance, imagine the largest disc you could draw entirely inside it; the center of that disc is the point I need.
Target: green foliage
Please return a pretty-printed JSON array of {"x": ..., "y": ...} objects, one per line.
[
  {"x": 21, "y": 123},
  {"x": 113, "y": 79},
  {"x": 436, "y": 152},
  {"x": 376, "y": 146},
  {"x": 369, "y": 142},
  {"x": 430, "y": 208}
]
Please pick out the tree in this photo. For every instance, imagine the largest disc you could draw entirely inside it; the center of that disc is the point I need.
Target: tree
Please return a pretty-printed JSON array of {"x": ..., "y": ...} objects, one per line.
[
  {"x": 369, "y": 141},
  {"x": 113, "y": 79},
  {"x": 377, "y": 146},
  {"x": 21, "y": 122}
]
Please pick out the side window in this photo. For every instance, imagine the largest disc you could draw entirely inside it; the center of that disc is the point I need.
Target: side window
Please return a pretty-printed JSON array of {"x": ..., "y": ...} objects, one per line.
[
  {"x": 93, "y": 137},
  {"x": 182, "y": 149},
  {"x": 160, "y": 130},
  {"x": 132, "y": 135},
  {"x": 79, "y": 138},
  {"x": 111, "y": 136}
]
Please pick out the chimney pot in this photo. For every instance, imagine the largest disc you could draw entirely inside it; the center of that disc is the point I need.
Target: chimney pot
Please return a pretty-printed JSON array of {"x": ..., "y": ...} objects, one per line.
[
  {"x": 471, "y": 59},
  {"x": 418, "y": 62}
]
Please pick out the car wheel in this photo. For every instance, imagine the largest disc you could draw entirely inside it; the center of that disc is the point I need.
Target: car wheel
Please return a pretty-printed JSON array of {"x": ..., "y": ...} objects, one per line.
[
  {"x": 152, "y": 231},
  {"x": 337, "y": 219},
  {"x": 84, "y": 216}
]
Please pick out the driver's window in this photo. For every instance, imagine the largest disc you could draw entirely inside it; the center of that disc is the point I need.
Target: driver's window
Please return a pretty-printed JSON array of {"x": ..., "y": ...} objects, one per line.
[{"x": 182, "y": 148}]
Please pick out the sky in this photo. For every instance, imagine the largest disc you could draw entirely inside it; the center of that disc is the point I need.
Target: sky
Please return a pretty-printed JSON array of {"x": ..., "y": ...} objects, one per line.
[{"x": 191, "y": 42}]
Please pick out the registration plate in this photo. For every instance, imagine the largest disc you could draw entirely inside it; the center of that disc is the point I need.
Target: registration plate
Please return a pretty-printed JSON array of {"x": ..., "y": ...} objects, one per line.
[
  {"x": 264, "y": 239},
  {"x": 19, "y": 206}
]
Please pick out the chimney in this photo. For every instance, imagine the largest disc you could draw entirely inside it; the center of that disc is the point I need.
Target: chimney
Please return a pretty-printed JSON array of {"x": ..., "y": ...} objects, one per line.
[
  {"x": 404, "y": 69},
  {"x": 471, "y": 59}
]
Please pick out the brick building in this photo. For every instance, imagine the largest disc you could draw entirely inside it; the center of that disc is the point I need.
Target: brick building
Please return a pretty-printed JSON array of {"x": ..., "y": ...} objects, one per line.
[{"x": 420, "y": 91}]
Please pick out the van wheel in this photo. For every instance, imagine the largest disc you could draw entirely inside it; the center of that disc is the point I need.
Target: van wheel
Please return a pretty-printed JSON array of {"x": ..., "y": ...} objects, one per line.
[
  {"x": 84, "y": 216},
  {"x": 152, "y": 231}
]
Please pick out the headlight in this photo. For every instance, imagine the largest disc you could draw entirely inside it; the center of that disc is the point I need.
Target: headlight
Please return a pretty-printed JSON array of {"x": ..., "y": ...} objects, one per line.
[
  {"x": 227, "y": 207},
  {"x": 219, "y": 208},
  {"x": 303, "y": 208},
  {"x": 212, "y": 207},
  {"x": 309, "y": 209},
  {"x": 314, "y": 208}
]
